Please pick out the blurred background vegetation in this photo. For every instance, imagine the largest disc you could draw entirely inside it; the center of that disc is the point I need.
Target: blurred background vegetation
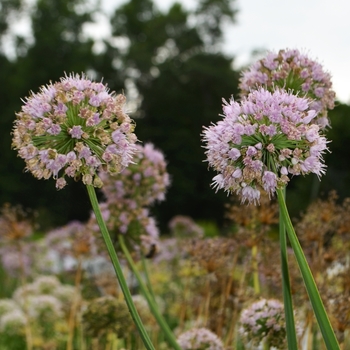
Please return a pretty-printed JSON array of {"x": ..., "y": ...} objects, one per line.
[{"x": 170, "y": 65}]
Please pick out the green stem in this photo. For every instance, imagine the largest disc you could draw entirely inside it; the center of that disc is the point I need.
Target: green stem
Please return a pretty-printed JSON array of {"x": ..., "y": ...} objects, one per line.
[
  {"x": 161, "y": 322},
  {"x": 148, "y": 282},
  {"x": 118, "y": 270},
  {"x": 256, "y": 282},
  {"x": 286, "y": 289},
  {"x": 266, "y": 344},
  {"x": 314, "y": 296}
]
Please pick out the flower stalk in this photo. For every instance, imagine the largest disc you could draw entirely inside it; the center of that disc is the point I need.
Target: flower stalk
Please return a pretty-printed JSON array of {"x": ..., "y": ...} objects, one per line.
[
  {"x": 256, "y": 282},
  {"x": 119, "y": 273},
  {"x": 148, "y": 282},
  {"x": 286, "y": 288},
  {"x": 151, "y": 302},
  {"x": 314, "y": 296}
]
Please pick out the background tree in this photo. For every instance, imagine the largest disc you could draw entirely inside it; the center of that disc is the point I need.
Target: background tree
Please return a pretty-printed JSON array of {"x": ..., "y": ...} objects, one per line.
[
  {"x": 58, "y": 46},
  {"x": 172, "y": 67},
  {"x": 181, "y": 76}
]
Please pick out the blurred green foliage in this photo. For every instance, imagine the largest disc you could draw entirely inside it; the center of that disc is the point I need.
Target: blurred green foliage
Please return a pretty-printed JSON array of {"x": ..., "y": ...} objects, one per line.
[{"x": 170, "y": 65}]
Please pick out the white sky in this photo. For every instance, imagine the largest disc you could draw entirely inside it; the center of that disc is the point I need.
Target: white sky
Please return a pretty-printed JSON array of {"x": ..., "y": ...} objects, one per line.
[{"x": 319, "y": 28}]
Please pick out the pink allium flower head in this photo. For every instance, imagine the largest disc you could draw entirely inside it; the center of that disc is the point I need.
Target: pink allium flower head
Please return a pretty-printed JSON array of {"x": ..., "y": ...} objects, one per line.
[
  {"x": 45, "y": 299},
  {"x": 262, "y": 320},
  {"x": 125, "y": 217},
  {"x": 74, "y": 239},
  {"x": 184, "y": 226},
  {"x": 292, "y": 70},
  {"x": 200, "y": 339},
  {"x": 17, "y": 261},
  {"x": 145, "y": 180},
  {"x": 283, "y": 144},
  {"x": 71, "y": 128},
  {"x": 13, "y": 322}
]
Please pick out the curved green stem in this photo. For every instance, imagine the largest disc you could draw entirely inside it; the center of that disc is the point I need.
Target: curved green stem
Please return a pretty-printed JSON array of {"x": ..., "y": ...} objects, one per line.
[
  {"x": 161, "y": 322},
  {"x": 148, "y": 282},
  {"x": 118, "y": 270},
  {"x": 314, "y": 296},
  {"x": 266, "y": 345},
  {"x": 286, "y": 289},
  {"x": 256, "y": 282}
]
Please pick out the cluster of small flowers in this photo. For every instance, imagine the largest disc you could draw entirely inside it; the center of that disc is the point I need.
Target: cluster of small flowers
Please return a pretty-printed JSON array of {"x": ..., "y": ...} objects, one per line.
[
  {"x": 14, "y": 225},
  {"x": 130, "y": 193},
  {"x": 168, "y": 250},
  {"x": 12, "y": 318},
  {"x": 290, "y": 69},
  {"x": 200, "y": 339},
  {"x": 17, "y": 248},
  {"x": 132, "y": 221},
  {"x": 71, "y": 128},
  {"x": 74, "y": 239},
  {"x": 144, "y": 181},
  {"x": 184, "y": 226},
  {"x": 262, "y": 140},
  {"x": 46, "y": 299},
  {"x": 264, "y": 320},
  {"x": 17, "y": 260},
  {"x": 45, "y": 295},
  {"x": 106, "y": 315},
  {"x": 50, "y": 285},
  {"x": 45, "y": 284}
]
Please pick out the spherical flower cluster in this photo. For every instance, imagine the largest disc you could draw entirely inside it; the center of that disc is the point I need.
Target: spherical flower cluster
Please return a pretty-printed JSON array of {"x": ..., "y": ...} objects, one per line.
[
  {"x": 264, "y": 321},
  {"x": 45, "y": 299},
  {"x": 13, "y": 322},
  {"x": 290, "y": 69},
  {"x": 261, "y": 141},
  {"x": 145, "y": 180},
  {"x": 46, "y": 284},
  {"x": 15, "y": 225},
  {"x": 184, "y": 226},
  {"x": 17, "y": 261},
  {"x": 128, "y": 196},
  {"x": 106, "y": 315},
  {"x": 200, "y": 339},
  {"x": 71, "y": 128},
  {"x": 74, "y": 239},
  {"x": 132, "y": 221},
  {"x": 12, "y": 318},
  {"x": 7, "y": 305},
  {"x": 44, "y": 307}
]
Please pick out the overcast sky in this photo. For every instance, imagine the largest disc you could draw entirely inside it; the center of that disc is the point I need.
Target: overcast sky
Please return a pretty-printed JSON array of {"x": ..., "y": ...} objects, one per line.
[{"x": 320, "y": 28}]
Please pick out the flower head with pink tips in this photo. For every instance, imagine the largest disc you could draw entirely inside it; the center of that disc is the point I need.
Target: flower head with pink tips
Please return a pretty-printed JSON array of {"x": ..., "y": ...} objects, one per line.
[
  {"x": 292, "y": 70},
  {"x": 263, "y": 320},
  {"x": 263, "y": 140},
  {"x": 73, "y": 127}
]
